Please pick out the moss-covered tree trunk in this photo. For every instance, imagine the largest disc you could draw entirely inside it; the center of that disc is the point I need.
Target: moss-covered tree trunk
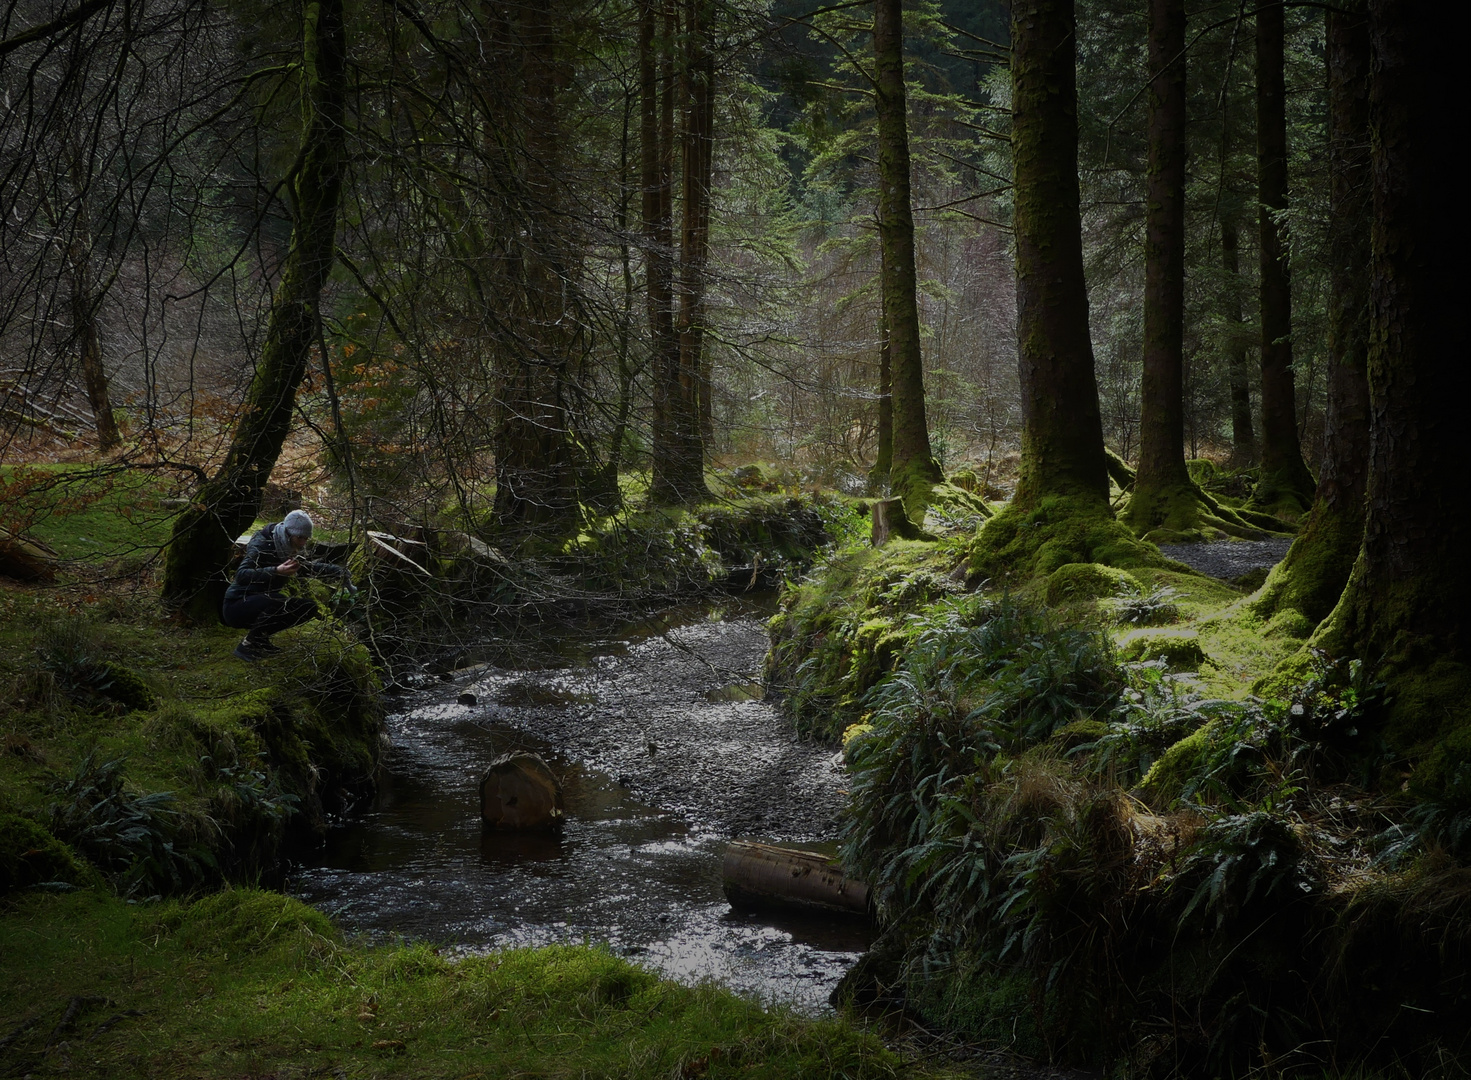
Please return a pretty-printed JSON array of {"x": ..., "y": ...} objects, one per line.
[
  {"x": 200, "y": 544},
  {"x": 1285, "y": 485},
  {"x": 1404, "y": 610},
  {"x": 1163, "y": 494},
  {"x": 1062, "y": 431},
  {"x": 1312, "y": 576},
  {"x": 536, "y": 460},
  {"x": 912, "y": 467}
]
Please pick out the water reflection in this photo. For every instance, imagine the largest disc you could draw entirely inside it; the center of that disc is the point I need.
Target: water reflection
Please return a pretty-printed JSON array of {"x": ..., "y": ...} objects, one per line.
[{"x": 670, "y": 708}]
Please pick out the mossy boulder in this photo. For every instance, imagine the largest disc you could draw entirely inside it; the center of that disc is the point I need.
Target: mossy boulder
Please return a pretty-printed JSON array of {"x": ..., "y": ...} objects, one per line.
[
  {"x": 30, "y": 856},
  {"x": 1178, "y": 648},
  {"x": 127, "y": 687},
  {"x": 1077, "y": 582},
  {"x": 1177, "y": 768}
]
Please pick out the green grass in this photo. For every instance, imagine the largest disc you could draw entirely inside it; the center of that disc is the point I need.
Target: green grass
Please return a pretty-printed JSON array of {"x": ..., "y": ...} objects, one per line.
[
  {"x": 84, "y": 516},
  {"x": 249, "y": 983}
]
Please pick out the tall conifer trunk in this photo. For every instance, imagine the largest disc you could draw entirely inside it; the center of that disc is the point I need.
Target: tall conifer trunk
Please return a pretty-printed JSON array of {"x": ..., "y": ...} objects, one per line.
[
  {"x": 1163, "y": 494},
  {"x": 1238, "y": 372},
  {"x": 878, "y": 475},
  {"x": 912, "y": 467},
  {"x": 535, "y": 448},
  {"x": 1312, "y": 575},
  {"x": 1062, "y": 431},
  {"x": 200, "y": 543},
  {"x": 1404, "y": 609},
  {"x": 1285, "y": 484}
]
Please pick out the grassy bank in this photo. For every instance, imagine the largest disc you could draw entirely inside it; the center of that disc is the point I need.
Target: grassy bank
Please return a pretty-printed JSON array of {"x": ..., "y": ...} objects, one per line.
[{"x": 247, "y": 983}]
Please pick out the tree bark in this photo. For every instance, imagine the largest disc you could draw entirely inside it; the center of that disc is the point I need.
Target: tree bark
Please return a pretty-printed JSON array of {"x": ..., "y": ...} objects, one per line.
[
  {"x": 1243, "y": 431},
  {"x": 912, "y": 468},
  {"x": 1162, "y": 483},
  {"x": 1404, "y": 608},
  {"x": 1285, "y": 484},
  {"x": 1311, "y": 577},
  {"x": 535, "y": 459},
  {"x": 878, "y": 475},
  {"x": 1062, "y": 431},
  {"x": 201, "y": 541},
  {"x": 89, "y": 344}
]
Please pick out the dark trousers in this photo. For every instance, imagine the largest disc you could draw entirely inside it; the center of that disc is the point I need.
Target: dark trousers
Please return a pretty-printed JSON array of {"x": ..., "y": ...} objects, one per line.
[{"x": 265, "y": 613}]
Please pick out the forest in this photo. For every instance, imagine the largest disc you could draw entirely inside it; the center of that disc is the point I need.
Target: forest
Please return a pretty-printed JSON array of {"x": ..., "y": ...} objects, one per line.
[{"x": 1007, "y": 447}]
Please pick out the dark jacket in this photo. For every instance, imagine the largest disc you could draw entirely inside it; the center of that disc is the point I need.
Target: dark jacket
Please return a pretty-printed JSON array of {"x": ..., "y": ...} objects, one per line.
[{"x": 257, "y": 572}]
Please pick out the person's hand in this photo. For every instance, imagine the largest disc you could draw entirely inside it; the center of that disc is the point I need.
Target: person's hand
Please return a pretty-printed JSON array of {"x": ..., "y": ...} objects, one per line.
[{"x": 288, "y": 568}]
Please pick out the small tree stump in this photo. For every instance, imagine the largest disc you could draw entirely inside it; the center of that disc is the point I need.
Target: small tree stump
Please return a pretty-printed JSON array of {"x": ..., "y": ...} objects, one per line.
[
  {"x": 890, "y": 520},
  {"x": 519, "y": 792}
]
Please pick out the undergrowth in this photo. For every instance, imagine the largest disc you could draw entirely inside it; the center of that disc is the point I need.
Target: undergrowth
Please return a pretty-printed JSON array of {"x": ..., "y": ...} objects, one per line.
[{"x": 1133, "y": 874}]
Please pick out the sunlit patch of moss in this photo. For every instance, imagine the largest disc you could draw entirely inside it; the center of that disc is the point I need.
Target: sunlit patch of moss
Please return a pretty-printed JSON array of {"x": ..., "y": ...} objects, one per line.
[
  {"x": 1075, "y": 582},
  {"x": 1179, "y": 648},
  {"x": 1023, "y": 542}
]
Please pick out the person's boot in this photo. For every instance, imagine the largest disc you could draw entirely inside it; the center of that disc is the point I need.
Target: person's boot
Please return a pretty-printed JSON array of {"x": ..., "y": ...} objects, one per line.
[
  {"x": 248, "y": 651},
  {"x": 255, "y": 647}
]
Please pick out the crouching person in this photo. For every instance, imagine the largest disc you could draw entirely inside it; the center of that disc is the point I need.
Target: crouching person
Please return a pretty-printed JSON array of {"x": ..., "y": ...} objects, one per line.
[{"x": 254, "y": 603}]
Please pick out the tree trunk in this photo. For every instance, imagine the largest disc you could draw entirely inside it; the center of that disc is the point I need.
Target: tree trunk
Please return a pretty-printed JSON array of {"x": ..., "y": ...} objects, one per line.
[
  {"x": 1062, "y": 431},
  {"x": 1404, "y": 608},
  {"x": 878, "y": 475},
  {"x": 679, "y": 473},
  {"x": 1313, "y": 574},
  {"x": 912, "y": 469},
  {"x": 1163, "y": 494},
  {"x": 94, "y": 374},
  {"x": 1243, "y": 433},
  {"x": 536, "y": 468},
  {"x": 1285, "y": 486},
  {"x": 200, "y": 544}
]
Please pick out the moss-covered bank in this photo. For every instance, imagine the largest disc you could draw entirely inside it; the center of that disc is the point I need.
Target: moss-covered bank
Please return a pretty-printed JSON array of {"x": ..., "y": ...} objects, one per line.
[
  {"x": 248, "y": 983},
  {"x": 1090, "y": 841},
  {"x": 161, "y": 759}
]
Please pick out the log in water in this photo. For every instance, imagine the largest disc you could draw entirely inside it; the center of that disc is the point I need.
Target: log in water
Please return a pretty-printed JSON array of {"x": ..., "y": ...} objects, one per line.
[{"x": 764, "y": 875}]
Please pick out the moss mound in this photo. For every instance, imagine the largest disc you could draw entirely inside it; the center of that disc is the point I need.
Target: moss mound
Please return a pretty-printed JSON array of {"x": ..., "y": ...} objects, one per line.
[
  {"x": 1088, "y": 581},
  {"x": 1020, "y": 543},
  {"x": 30, "y": 856}
]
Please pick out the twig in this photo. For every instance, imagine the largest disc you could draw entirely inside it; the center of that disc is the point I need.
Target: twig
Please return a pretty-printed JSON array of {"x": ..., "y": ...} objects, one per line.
[{"x": 111, "y": 1020}]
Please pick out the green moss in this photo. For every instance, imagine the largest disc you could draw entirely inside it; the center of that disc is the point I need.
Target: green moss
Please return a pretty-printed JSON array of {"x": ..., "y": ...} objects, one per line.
[
  {"x": 127, "y": 687},
  {"x": 1020, "y": 543},
  {"x": 247, "y": 983},
  {"x": 1179, "y": 648},
  {"x": 1077, "y": 582},
  {"x": 29, "y": 856},
  {"x": 1288, "y": 623},
  {"x": 1176, "y": 767},
  {"x": 240, "y": 921}
]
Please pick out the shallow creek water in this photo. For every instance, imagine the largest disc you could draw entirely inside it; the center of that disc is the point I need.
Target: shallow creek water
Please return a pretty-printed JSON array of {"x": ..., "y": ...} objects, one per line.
[{"x": 666, "y": 752}]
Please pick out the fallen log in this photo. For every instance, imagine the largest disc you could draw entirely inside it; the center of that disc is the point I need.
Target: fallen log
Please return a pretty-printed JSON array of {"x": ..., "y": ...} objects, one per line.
[
  {"x": 759, "y": 875},
  {"x": 25, "y": 558}
]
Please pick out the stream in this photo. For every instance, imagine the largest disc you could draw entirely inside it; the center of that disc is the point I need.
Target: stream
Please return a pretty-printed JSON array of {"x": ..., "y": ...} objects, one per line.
[{"x": 666, "y": 751}]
